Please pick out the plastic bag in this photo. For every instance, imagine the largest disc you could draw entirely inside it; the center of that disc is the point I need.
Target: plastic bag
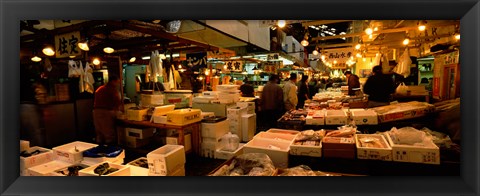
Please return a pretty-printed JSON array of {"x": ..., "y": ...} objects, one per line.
[
  {"x": 301, "y": 170},
  {"x": 403, "y": 66},
  {"x": 103, "y": 151},
  {"x": 251, "y": 164},
  {"x": 88, "y": 79},
  {"x": 440, "y": 139},
  {"x": 344, "y": 131},
  {"x": 402, "y": 89},
  {"x": 230, "y": 142},
  {"x": 407, "y": 136},
  {"x": 310, "y": 135}
]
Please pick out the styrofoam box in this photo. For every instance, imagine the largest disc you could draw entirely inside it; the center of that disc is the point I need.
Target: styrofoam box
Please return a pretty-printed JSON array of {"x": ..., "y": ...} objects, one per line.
[
  {"x": 316, "y": 117},
  {"x": 136, "y": 170},
  {"x": 306, "y": 150},
  {"x": 221, "y": 154},
  {"x": 184, "y": 116},
  {"x": 90, "y": 163},
  {"x": 277, "y": 137},
  {"x": 162, "y": 110},
  {"x": 213, "y": 94},
  {"x": 133, "y": 142},
  {"x": 283, "y": 131},
  {"x": 187, "y": 138},
  {"x": 68, "y": 154},
  {"x": 165, "y": 160},
  {"x": 55, "y": 173},
  {"x": 152, "y": 99},
  {"x": 203, "y": 99},
  {"x": 278, "y": 156},
  {"x": 160, "y": 119},
  {"x": 178, "y": 172},
  {"x": 336, "y": 117},
  {"x": 139, "y": 133},
  {"x": 24, "y": 145},
  {"x": 123, "y": 170},
  {"x": 137, "y": 115},
  {"x": 228, "y": 88},
  {"x": 27, "y": 162},
  {"x": 249, "y": 105},
  {"x": 236, "y": 112},
  {"x": 46, "y": 168},
  {"x": 414, "y": 154},
  {"x": 365, "y": 117},
  {"x": 384, "y": 154},
  {"x": 215, "y": 130},
  {"x": 249, "y": 126},
  {"x": 116, "y": 159},
  {"x": 207, "y": 114}
]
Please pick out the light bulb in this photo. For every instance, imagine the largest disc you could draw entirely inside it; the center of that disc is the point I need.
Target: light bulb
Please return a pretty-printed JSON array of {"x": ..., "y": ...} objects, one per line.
[
  {"x": 225, "y": 67},
  {"x": 48, "y": 51},
  {"x": 368, "y": 31},
  {"x": 370, "y": 36},
  {"x": 96, "y": 62},
  {"x": 457, "y": 36},
  {"x": 406, "y": 41},
  {"x": 322, "y": 57},
  {"x": 132, "y": 59},
  {"x": 364, "y": 59},
  {"x": 83, "y": 46},
  {"x": 179, "y": 66},
  {"x": 358, "y": 46},
  {"x": 421, "y": 27},
  {"x": 281, "y": 23},
  {"x": 108, "y": 50},
  {"x": 335, "y": 62},
  {"x": 304, "y": 43},
  {"x": 315, "y": 52},
  {"x": 359, "y": 55},
  {"x": 375, "y": 29},
  {"x": 36, "y": 59}
]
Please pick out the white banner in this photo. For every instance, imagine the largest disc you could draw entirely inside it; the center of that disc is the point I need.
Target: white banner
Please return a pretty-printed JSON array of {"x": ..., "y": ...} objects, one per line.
[{"x": 340, "y": 55}]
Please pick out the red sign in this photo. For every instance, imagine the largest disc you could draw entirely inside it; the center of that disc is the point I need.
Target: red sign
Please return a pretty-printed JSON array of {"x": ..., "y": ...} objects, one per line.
[{"x": 436, "y": 87}]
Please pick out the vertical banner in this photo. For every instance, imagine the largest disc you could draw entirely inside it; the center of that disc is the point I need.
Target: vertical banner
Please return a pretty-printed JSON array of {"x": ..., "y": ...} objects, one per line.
[{"x": 66, "y": 44}]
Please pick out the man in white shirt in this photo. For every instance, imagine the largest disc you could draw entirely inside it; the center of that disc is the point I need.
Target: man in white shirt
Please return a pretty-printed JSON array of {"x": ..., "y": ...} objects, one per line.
[{"x": 290, "y": 93}]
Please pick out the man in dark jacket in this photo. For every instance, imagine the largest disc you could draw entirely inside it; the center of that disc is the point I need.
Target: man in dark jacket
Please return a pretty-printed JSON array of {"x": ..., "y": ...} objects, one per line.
[
  {"x": 272, "y": 101},
  {"x": 353, "y": 82},
  {"x": 378, "y": 87}
]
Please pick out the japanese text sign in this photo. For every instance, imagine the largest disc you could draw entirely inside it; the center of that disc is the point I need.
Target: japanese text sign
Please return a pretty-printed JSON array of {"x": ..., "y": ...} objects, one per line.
[
  {"x": 197, "y": 59},
  {"x": 66, "y": 44},
  {"x": 340, "y": 55},
  {"x": 234, "y": 65}
]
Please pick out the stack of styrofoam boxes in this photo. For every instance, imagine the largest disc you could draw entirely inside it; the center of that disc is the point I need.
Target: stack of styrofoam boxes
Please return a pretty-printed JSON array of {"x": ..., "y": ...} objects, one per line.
[
  {"x": 234, "y": 115},
  {"x": 275, "y": 145},
  {"x": 249, "y": 121},
  {"x": 167, "y": 160},
  {"x": 135, "y": 138},
  {"x": 159, "y": 113},
  {"x": 45, "y": 156},
  {"x": 211, "y": 134},
  {"x": 228, "y": 93},
  {"x": 152, "y": 100},
  {"x": 206, "y": 97},
  {"x": 429, "y": 154},
  {"x": 383, "y": 154}
]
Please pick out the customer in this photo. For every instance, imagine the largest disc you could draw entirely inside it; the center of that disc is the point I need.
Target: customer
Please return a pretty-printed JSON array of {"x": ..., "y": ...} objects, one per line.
[
  {"x": 312, "y": 87},
  {"x": 290, "y": 93},
  {"x": 353, "y": 82},
  {"x": 106, "y": 105},
  {"x": 272, "y": 101},
  {"x": 321, "y": 85},
  {"x": 303, "y": 92},
  {"x": 247, "y": 89},
  {"x": 32, "y": 98},
  {"x": 329, "y": 84},
  {"x": 379, "y": 87}
]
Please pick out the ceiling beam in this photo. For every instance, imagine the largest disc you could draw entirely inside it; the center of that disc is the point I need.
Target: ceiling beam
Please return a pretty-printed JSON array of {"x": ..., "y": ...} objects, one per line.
[
  {"x": 62, "y": 30},
  {"x": 323, "y": 22}
]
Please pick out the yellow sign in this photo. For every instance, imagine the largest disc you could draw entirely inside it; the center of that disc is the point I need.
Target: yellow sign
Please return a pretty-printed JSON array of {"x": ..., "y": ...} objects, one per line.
[{"x": 66, "y": 44}]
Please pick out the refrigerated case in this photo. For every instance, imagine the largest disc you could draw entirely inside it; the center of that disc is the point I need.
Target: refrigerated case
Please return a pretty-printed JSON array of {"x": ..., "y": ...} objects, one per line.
[{"x": 446, "y": 76}]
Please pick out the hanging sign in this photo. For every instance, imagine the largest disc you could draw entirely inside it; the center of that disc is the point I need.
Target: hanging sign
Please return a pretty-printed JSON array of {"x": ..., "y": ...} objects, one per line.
[
  {"x": 271, "y": 66},
  {"x": 271, "y": 57},
  {"x": 234, "y": 65},
  {"x": 341, "y": 55},
  {"x": 66, "y": 44},
  {"x": 197, "y": 60}
]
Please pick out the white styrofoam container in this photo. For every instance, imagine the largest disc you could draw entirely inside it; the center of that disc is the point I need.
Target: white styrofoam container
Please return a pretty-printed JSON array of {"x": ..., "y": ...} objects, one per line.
[
  {"x": 116, "y": 159},
  {"x": 365, "y": 117},
  {"x": 27, "y": 162},
  {"x": 152, "y": 99},
  {"x": 68, "y": 154},
  {"x": 139, "y": 133},
  {"x": 317, "y": 117},
  {"x": 47, "y": 168},
  {"x": 278, "y": 156},
  {"x": 213, "y": 94},
  {"x": 90, "y": 163},
  {"x": 163, "y": 110},
  {"x": 187, "y": 138},
  {"x": 24, "y": 145},
  {"x": 414, "y": 154},
  {"x": 228, "y": 88},
  {"x": 165, "y": 160},
  {"x": 204, "y": 99},
  {"x": 236, "y": 111},
  {"x": 249, "y": 127},
  {"x": 249, "y": 105},
  {"x": 215, "y": 130},
  {"x": 137, "y": 170},
  {"x": 276, "y": 137},
  {"x": 221, "y": 154},
  {"x": 336, "y": 117},
  {"x": 160, "y": 119},
  {"x": 123, "y": 170},
  {"x": 55, "y": 173},
  {"x": 306, "y": 150},
  {"x": 384, "y": 154},
  {"x": 178, "y": 172},
  {"x": 283, "y": 131}
]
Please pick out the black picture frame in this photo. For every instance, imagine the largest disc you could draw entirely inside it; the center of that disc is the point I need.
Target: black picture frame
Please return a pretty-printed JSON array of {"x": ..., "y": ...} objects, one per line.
[{"x": 13, "y": 11}]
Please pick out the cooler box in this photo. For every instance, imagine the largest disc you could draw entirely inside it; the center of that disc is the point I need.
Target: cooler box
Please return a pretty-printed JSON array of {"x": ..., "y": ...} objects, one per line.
[
  {"x": 45, "y": 156},
  {"x": 415, "y": 154},
  {"x": 180, "y": 98},
  {"x": 215, "y": 130},
  {"x": 166, "y": 160},
  {"x": 151, "y": 100},
  {"x": 184, "y": 116},
  {"x": 249, "y": 105},
  {"x": 137, "y": 114},
  {"x": 275, "y": 149},
  {"x": 221, "y": 154},
  {"x": 72, "y": 152}
]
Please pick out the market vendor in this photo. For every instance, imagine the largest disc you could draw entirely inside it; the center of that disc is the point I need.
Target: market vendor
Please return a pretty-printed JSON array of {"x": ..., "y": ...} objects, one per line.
[
  {"x": 106, "y": 105},
  {"x": 290, "y": 93},
  {"x": 353, "y": 82},
  {"x": 247, "y": 89},
  {"x": 379, "y": 88}
]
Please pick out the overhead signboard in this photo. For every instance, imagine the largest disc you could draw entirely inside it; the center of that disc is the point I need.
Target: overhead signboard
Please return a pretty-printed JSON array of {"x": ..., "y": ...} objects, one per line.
[{"x": 66, "y": 44}]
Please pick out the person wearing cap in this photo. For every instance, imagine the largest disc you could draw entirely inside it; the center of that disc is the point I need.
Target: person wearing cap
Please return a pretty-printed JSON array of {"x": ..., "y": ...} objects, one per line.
[
  {"x": 353, "y": 82},
  {"x": 290, "y": 93},
  {"x": 379, "y": 88}
]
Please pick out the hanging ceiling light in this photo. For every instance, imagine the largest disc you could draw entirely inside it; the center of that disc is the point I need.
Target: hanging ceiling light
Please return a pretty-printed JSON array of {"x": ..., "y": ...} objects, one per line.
[
  {"x": 406, "y": 41},
  {"x": 457, "y": 36},
  {"x": 369, "y": 31},
  {"x": 72, "y": 57},
  {"x": 48, "y": 51},
  {"x": 358, "y": 46},
  {"x": 83, "y": 45},
  {"x": 364, "y": 59},
  {"x": 315, "y": 52},
  {"x": 359, "y": 55},
  {"x": 108, "y": 50},
  {"x": 96, "y": 61},
  {"x": 421, "y": 25},
  {"x": 375, "y": 29},
  {"x": 133, "y": 59},
  {"x": 304, "y": 42},
  {"x": 36, "y": 59},
  {"x": 281, "y": 23}
]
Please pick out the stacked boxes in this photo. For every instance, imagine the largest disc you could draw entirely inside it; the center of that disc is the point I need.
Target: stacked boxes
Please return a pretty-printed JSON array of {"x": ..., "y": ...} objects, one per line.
[
  {"x": 249, "y": 105},
  {"x": 184, "y": 116},
  {"x": 166, "y": 160},
  {"x": 234, "y": 115},
  {"x": 136, "y": 138},
  {"x": 187, "y": 139},
  {"x": 275, "y": 145}
]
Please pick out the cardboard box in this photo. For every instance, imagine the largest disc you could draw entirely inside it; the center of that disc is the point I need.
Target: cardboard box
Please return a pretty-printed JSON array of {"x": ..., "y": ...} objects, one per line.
[
  {"x": 174, "y": 141},
  {"x": 34, "y": 160},
  {"x": 137, "y": 114},
  {"x": 221, "y": 154},
  {"x": 402, "y": 111},
  {"x": 160, "y": 119},
  {"x": 414, "y": 154},
  {"x": 149, "y": 100},
  {"x": 384, "y": 154},
  {"x": 275, "y": 149},
  {"x": 133, "y": 142},
  {"x": 72, "y": 152},
  {"x": 336, "y": 117},
  {"x": 165, "y": 160},
  {"x": 24, "y": 145},
  {"x": 249, "y": 127},
  {"x": 220, "y": 109},
  {"x": 139, "y": 133},
  {"x": 307, "y": 150},
  {"x": 123, "y": 170},
  {"x": 249, "y": 105},
  {"x": 315, "y": 117},
  {"x": 47, "y": 168},
  {"x": 365, "y": 117},
  {"x": 184, "y": 116},
  {"x": 215, "y": 130}
]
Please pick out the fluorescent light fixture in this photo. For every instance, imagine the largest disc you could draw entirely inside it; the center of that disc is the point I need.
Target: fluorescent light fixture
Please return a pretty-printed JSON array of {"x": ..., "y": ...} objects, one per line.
[
  {"x": 108, "y": 50},
  {"x": 146, "y": 58},
  {"x": 72, "y": 57},
  {"x": 234, "y": 57},
  {"x": 247, "y": 56},
  {"x": 36, "y": 59},
  {"x": 175, "y": 55},
  {"x": 358, "y": 46},
  {"x": 422, "y": 27},
  {"x": 457, "y": 36},
  {"x": 287, "y": 62},
  {"x": 48, "y": 51}
]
